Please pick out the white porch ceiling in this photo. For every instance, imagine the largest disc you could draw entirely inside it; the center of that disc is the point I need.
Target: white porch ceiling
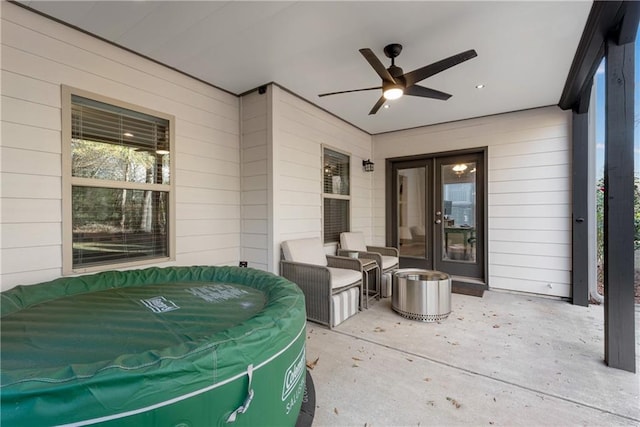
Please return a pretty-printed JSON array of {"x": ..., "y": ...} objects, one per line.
[{"x": 524, "y": 49}]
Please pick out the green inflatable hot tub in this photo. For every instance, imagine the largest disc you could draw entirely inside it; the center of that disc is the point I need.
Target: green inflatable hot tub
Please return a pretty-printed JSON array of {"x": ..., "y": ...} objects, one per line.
[{"x": 182, "y": 346}]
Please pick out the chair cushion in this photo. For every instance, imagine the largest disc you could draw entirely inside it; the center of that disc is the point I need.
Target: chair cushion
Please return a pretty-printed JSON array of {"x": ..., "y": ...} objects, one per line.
[
  {"x": 341, "y": 277},
  {"x": 344, "y": 305},
  {"x": 389, "y": 262},
  {"x": 308, "y": 251},
  {"x": 353, "y": 241}
]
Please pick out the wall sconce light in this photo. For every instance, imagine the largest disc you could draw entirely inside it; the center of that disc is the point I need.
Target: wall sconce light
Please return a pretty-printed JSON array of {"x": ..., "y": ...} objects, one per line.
[{"x": 367, "y": 165}]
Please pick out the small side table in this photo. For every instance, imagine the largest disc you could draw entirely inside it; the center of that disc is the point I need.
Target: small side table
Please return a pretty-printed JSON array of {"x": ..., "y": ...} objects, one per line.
[{"x": 370, "y": 268}]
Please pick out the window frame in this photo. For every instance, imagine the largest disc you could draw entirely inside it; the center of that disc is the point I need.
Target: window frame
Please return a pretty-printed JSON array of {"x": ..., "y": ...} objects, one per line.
[
  {"x": 68, "y": 181},
  {"x": 326, "y": 195}
]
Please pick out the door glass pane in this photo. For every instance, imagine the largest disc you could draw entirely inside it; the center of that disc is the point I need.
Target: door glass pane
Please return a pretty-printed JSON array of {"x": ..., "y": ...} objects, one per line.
[
  {"x": 458, "y": 212},
  {"x": 411, "y": 212}
]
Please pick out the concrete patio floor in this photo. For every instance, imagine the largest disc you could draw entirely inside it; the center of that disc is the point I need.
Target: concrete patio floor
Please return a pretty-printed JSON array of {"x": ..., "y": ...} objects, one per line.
[{"x": 503, "y": 359}]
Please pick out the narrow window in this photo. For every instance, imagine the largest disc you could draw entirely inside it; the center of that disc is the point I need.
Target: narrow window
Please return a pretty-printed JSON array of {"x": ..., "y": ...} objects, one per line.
[
  {"x": 118, "y": 191},
  {"x": 336, "y": 195}
]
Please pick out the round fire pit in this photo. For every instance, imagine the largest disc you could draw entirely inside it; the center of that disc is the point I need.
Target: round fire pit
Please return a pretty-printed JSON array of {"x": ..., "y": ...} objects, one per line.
[{"x": 423, "y": 295}]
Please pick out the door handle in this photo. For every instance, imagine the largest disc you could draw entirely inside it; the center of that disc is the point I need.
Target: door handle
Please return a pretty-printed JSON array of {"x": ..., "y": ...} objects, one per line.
[{"x": 438, "y": 221}]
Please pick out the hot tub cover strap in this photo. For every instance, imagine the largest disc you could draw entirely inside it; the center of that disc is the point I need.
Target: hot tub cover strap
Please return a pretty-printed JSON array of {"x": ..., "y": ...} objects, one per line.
[{"x": 245, "y": 406}]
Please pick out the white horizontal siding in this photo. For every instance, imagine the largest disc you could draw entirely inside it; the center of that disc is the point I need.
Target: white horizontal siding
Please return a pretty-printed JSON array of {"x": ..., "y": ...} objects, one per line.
[
  {"x": 545, "y": 262},
  {"x": 190, "y": 245},
  {"x": 28, "y": 162},
  {"x": 40, "y": 55},
  {"x": 254, "y": 153},
  {"x": 28, "y": 235},
  {"x": 19, "y": 261},
  {"x": 529, "y": 191},
  {"x": 254, "y": 226},
  {"x": 224, "y": 256},
  {"x": 206, "y": 227},
  {"x": 529, "y": 185},
  {"x": 300, "y": 131},
  {"x": 30, "y": 138},
  {"x": 530, "y": 223},
  {"x": 542, "y": 198},
  {"x": 254, "y": 183},
  {"x": 520, "y": 284},
  {"x": 23, "y": 186},
  {"x": 553, "y": 249},
  {"x": 532, "y": 211},
  {"x": 31, "y": 211},
  {"x": 30, "y": 113},
  {"x": 195, "y": 195},
  {"x": 199, "y": 211},
  {"x": 531, "y": 172}
]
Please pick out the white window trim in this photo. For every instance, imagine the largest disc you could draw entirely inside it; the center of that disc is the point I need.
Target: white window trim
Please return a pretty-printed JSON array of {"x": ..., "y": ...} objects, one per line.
[
  {"x": 333, "y": 195},
  {"x": 68, "y": 181}
]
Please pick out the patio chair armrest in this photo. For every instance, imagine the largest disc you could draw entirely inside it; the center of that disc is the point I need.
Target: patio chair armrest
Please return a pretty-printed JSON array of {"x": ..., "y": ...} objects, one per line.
[
  {"x": 363, "y": 255},
  {"x": 384, "y": 250},
  {"x": 344, "y": 262},
  {"x": 312, "y": 279}
]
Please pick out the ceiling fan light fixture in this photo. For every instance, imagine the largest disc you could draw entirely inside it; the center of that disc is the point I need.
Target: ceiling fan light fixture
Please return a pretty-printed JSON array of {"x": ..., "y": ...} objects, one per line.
[{"x": 392, "y": 92}]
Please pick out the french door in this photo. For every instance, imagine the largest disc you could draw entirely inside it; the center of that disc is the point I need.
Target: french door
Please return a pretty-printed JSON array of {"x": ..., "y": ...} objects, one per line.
[{"x": 437, "y": 220}]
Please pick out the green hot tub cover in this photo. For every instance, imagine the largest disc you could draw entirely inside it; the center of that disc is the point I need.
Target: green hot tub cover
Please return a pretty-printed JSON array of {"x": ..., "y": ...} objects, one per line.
[{"x": 181, "y": 346}]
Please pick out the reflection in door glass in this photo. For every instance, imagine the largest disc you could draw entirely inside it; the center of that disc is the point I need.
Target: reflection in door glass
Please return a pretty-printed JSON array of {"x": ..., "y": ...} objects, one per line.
[
  {"x": 411, "y": 214},
  {"x": 459, "y": 212}
]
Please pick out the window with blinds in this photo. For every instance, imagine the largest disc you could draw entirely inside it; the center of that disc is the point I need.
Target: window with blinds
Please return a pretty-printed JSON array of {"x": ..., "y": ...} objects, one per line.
[
  {"x": 120, "y": 190},
  {"x": 336, "y": 195}
]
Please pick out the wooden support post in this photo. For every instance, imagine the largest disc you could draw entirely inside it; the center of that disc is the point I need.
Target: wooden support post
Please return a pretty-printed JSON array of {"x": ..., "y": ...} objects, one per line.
[{"x": 618, "y": 219}]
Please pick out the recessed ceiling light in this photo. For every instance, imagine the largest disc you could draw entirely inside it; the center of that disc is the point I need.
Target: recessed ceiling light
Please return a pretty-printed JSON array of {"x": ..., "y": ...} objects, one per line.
[
  {"x": 480, "y": 86},
  {"x": 128, "y": 134},
  {"x": 386, "y": 106}
]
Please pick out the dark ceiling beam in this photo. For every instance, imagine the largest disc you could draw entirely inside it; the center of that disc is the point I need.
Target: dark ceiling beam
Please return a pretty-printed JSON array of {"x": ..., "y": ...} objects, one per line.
[
  {"x": 604, "y": 15},
  {"x": 629, "y": 23}
]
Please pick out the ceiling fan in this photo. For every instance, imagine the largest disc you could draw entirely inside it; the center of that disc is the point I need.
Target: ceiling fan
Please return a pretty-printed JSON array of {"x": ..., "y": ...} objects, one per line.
[{"x": 395, "y": 83}]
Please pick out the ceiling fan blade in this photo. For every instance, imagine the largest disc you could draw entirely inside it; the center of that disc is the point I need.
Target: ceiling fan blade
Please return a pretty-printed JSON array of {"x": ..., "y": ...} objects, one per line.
[
  {"x": 378, "y": 105},
  {"x": 348, "y": 91},
  {"x": 425, "y": 92},
  {"x": 373, "y": 60},
  {"x": 415, "y": 76}
]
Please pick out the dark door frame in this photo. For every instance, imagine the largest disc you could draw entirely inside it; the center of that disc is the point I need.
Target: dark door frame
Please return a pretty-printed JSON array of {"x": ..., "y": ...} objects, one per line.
[{"x": 391, "y": 214}]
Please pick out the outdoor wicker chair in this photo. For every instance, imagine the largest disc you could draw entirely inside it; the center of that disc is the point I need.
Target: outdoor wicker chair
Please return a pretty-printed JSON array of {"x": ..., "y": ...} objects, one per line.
[{"x": 332, "y": 285}]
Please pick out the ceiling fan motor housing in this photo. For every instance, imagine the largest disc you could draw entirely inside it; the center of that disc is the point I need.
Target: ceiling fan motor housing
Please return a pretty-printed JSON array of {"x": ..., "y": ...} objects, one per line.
[{"x": 396, "y": 72}]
